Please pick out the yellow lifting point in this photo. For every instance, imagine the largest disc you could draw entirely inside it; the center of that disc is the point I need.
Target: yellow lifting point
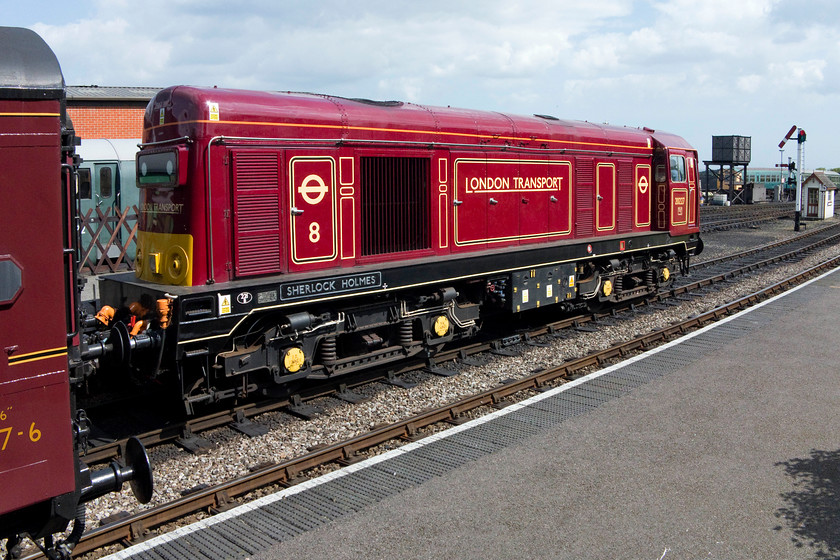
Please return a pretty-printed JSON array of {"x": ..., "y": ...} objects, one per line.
[
  {"x": 293, "y": 359},
  {"x": 441, "y": 325},
  {"x": 666, "y": 274},
  {"x": 608, "y": 288}
]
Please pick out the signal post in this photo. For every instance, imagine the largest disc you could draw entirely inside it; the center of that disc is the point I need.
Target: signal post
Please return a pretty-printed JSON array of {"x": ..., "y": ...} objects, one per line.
[{"x": 800, "y": 139}]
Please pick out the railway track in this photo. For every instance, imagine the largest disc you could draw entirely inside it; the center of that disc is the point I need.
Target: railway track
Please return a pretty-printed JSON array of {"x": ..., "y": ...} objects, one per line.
[
  {"x": 703, "y": 274},
  {"x": 719, "y": 218},
  {"x": 221, "y": 496}
]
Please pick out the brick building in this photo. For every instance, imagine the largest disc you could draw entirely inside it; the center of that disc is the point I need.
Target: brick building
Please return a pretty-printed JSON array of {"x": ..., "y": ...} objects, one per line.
[{"x": 108, "y": 112}]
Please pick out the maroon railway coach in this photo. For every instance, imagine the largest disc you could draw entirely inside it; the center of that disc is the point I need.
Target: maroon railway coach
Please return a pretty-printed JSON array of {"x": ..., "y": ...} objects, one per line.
[
  {"x": 288, "y": 235},
  {"x": 42, "y": 482}
]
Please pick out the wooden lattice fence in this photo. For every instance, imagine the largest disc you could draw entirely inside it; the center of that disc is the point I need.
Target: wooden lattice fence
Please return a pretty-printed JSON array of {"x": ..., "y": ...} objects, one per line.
[{"x": 111, "y": 231}]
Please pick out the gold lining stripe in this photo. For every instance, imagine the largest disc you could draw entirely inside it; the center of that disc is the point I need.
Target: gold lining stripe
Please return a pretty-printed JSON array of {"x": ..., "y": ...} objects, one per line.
[
  {"x": 407, "y": 131},
  {"x": 39, "y": 355},
  {"x": 30, "y": 114}
]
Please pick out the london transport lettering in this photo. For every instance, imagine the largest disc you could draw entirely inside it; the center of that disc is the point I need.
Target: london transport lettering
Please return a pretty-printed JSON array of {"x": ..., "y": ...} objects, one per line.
[
  {"x": 493, "y": 184},
  {"x": 330, "y": 286},
  {"x": 162, "y": 208}
]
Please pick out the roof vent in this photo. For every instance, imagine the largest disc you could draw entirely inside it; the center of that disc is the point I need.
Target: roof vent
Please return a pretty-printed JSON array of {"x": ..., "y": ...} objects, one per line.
[{"x": 377, "y": 103}]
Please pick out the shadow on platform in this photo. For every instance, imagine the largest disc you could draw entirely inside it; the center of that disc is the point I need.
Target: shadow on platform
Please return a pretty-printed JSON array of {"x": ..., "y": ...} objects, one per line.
[{"x": 812, "y": 508}]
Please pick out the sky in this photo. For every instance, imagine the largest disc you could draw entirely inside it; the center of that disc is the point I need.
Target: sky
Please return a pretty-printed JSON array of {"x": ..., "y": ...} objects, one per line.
[{"x": 696, "y": 68}]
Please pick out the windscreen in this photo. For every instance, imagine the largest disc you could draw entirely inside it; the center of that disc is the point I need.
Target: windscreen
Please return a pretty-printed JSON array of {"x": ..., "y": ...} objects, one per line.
[{"x": 157, "y": 169}]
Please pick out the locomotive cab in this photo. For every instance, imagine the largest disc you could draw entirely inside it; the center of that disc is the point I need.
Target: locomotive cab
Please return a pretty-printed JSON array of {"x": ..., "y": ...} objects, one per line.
[
  {"x": 164, "y": 246},
  {"x": 676, "y": 186}
]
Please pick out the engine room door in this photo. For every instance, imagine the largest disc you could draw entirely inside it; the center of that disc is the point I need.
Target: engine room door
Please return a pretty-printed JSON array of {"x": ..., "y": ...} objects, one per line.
[
  {"x": 605, "y": 197},
  {"x": 313, "y": 208}
]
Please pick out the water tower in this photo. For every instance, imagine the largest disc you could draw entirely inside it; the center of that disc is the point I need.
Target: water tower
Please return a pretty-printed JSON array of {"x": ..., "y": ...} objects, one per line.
[{"x": 731, "y": 152}]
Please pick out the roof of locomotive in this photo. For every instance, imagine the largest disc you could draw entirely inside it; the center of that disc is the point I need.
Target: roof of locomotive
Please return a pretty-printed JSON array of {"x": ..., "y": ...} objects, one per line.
[
  {"x": 28, "y": 67},
  {"x": 207, "y": 112}
]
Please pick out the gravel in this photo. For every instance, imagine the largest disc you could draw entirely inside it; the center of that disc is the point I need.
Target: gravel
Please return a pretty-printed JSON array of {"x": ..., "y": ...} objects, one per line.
[{"x": 176, "y": 470}]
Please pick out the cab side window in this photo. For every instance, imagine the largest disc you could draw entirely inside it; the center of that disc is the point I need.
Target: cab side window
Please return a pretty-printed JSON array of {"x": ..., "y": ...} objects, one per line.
[
  {"x": 677, "y": 169},
  {"x": 84, "y": 184},
  {"x": 106, "y": 185}
]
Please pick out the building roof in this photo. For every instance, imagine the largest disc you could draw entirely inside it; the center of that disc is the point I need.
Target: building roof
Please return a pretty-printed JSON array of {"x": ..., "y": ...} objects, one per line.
[
  {"x": 822, "y": 179},
  {"x": 110, "y": 93}
]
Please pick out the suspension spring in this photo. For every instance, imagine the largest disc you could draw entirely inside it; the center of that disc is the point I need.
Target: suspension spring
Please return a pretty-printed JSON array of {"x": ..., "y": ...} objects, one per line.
[
  {"x": 329, "y": 351},
  {"x": 406, "y": 333}
]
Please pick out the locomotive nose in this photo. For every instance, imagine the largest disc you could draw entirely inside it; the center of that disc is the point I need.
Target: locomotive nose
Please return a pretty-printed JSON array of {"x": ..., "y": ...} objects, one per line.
[{"x": 134, "y": 468}]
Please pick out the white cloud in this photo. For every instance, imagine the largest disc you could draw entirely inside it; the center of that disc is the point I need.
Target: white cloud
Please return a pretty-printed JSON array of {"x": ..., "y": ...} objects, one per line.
[
  {"x": 107, "y": 50},
  {"x": 749, "y": 84},
  {"x": 694, "y": 68},
  {"x": 800, "y": 74},
  {"x": 716, "y": 13}
]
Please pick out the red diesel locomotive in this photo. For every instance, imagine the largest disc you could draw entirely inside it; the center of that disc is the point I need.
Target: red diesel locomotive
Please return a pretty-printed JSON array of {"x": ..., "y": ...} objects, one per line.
[
  {"x": 292, "y": 236},
  {"x": 42, "y": 481}
]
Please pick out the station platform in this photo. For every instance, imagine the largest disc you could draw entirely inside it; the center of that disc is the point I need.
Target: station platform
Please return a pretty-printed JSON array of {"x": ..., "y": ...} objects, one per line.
[{"x": 722, "y": 444}]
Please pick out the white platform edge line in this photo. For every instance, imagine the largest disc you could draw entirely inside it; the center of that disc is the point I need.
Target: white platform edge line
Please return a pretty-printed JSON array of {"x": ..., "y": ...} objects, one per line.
[{"x": 265, "y": 500}]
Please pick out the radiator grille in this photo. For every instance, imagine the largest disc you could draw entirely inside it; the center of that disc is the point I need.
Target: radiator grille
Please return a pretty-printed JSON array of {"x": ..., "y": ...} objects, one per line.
[
  {"x": 585, "y": 170},
  {"x": 625, "y": 172},
  {"x": 395, "y": 205}
]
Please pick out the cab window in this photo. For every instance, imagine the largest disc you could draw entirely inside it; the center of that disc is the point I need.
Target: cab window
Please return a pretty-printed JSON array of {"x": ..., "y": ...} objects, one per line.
[
  {"x": 660, "y": 174},
  {"x": 84, "y": 184},
  {"x": 106, "y": 185},
  {"x": 677, "y": 169},
  {"x": 158, "y": 169}
]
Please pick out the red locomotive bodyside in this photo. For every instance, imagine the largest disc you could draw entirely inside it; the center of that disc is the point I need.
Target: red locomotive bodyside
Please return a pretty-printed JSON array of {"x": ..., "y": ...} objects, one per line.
[{"x": 277, "y": 183}]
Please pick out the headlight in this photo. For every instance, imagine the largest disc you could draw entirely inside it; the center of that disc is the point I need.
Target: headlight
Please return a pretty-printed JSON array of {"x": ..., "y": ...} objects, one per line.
[{"x": 176, "y": 265}]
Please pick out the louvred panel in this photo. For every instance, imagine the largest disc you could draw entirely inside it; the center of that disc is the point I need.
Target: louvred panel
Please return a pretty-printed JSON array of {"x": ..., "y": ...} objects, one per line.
[{"x": 256, "y": 212}]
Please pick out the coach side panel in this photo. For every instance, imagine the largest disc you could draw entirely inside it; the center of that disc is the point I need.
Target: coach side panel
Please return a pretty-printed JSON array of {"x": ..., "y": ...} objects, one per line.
[{"x": 36, "y": 451}]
